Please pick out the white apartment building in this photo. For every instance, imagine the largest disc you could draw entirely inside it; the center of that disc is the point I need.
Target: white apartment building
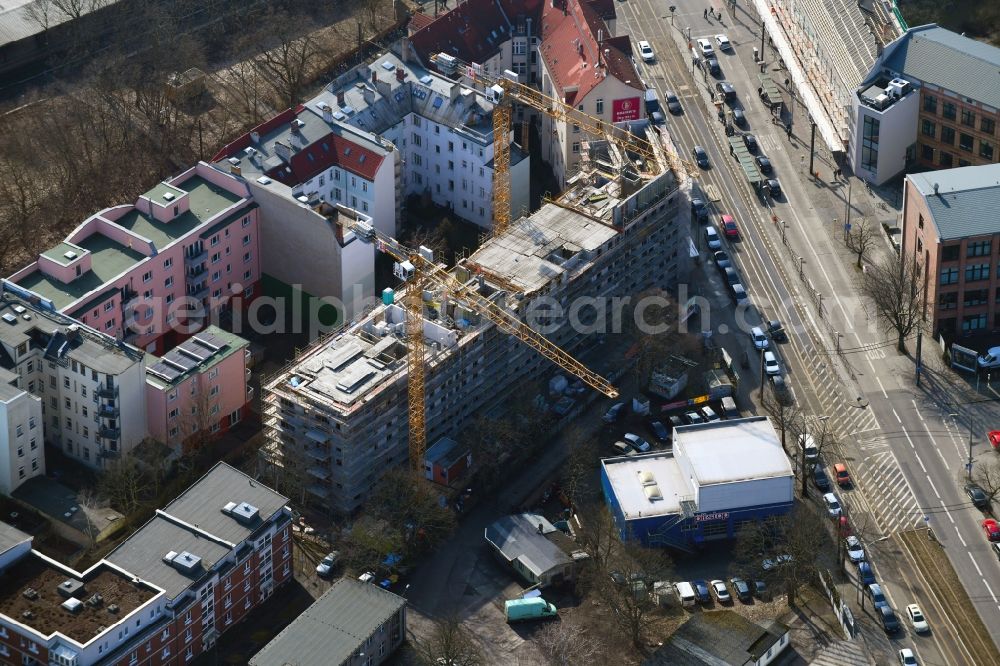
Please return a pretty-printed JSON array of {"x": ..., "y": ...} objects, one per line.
[
  {"x": 91, "y": 386},
  {"x": 443, "y": 130},
  {"x": 22, "y": 452}
]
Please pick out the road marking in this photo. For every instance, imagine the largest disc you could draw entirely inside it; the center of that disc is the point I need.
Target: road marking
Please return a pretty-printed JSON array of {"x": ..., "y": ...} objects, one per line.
[
  {"x": 934, "y": 488},
  {"x": 886, "y": 395},
  {"x": 990, "y": 590},
  {"x": 964, "y": 545},
  {"x": 975, "y": 564},
  {"x": 896, "y": 415}
]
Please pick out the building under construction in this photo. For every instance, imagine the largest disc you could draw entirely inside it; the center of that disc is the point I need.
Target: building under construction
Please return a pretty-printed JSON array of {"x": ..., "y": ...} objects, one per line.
[{"x": 336, "y": 418}]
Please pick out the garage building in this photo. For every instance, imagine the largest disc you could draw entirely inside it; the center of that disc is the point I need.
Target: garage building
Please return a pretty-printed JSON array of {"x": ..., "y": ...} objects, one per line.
[{"x": 719, "y": 476}]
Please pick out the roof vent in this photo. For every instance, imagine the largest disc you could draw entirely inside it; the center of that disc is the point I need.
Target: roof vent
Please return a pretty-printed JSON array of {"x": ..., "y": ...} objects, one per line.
[
  {"x": 169, "y": 196},
  {"x": 184, "y": 562},
  {"x": 113, "y": 608},
  {"x": 70, "y": 588},
  {"x": 652, "y": 492},
  {"x": 647, "y": 479},
  {"x": 30, "y": 593},
  {"x": 19, "y": 309},
  {"x": 70, "y": 254},
  {"x": 243, "y": 512},
  {"x": 935, "y": 188},
  {"x": 9, "y": 318},
  {"x": 72, "y": 605},
  {"x": 235, "y": 161}
]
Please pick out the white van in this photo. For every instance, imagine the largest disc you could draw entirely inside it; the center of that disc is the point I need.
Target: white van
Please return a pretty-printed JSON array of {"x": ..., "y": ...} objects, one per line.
[
  {"x": 685, "y": 593},
  {"x": 808, "y": 445}
]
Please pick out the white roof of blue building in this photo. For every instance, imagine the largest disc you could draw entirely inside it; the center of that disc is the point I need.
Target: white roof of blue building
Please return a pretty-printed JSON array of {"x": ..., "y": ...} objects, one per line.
[
  {"x": 965, "y": 201},
  {"x": 944, "y": 58}
]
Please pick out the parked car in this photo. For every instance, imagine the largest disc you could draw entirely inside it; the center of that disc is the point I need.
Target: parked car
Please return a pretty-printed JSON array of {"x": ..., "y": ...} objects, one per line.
[
  {"x": 774, "y": 187},
  {"x": 623, "y": 448},
  {"x": 646, "y": 51},
  {"x": 994, "y": 437},
  {"x": 833, "y": 507},
  {"x": 723, "y": 42},
  {"x": 713, "y": 66},
  {"x": 694, "y": 417},
  {"x": 326, "y": 565},
  {"x": 977, "y": 496},
  {"x": 854, "y": 550},
  {"x": 992, "y": 529},
  {"x": 739, "y": 118},
  {"x": 874, "y": 592},
  {"x": 700, "y": 156},
  {"x": 991, "y": 359},
  {"x": 700, "y": 209},
  {"x": 759, "y": 339},
  {"x": 726, "y": 89},
  {"x": 705, "y": 47},
  {"x": 739, "y": 294},
  {"x": 760, "y": 590},
  {"x": 675, "y": 420},
  {"x": 731, "y": 276},
  {"x": 742, "y": 589},
  {"x": 809, "y": 448},
  {"x": 673, "y": 104},
  {"x": 751, "y": 142},
  {"x": 865, "y": 573},
  {"x": 660, "y": 431},
  {"x": 906, "y": 657},
  {"x": 709, "y": 414},
  {"x": 777, "y": 561},
  {"x": 917, "y": 619},
  {"x": 764, "y": 164},
  {"x": 712, "y": 238},
  {"x": 888, "y": 619},
  {"x": 722, "y": 259},
  {"x": 701, "y": 592},
  {"x": 840, "y": 472},
  {"x": 781, "y": 392},
  {"x": 720, "y": 592},
  {"x": 614, "y": 413},
  {"x": 820, "y": 479},
  {"x": 729, "y": 227},
  {"x": 771, "y": 365},
  {"x": 776, "y": 331},
  {"x": 637, "y": 442}
]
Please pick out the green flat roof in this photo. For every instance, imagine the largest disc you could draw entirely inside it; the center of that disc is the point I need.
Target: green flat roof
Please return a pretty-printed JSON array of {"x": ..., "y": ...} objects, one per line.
[
  {"x": 58, "y": 253},
  {"x": 205, "y": 199},
  {"x": 108, "y": 261},
  {"x": 156, "y": 194}
]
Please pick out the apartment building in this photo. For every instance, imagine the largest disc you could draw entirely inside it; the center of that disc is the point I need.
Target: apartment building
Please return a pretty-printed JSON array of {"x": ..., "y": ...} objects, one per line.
[
  {"x": 951, "y": 234},
  {"x": 443, "y": 130},
  {"x": 90, "y": 386},
  {"x": 164, "y": 595},
  {"x": 565, "y": 48},
  {"x": 147, "y": 273},
  {"x": 198, "y": 389},
  {"x": 22, "y": 455},
  {"x": 930, "y": 101},
  {"x": 336, "y": 419}
]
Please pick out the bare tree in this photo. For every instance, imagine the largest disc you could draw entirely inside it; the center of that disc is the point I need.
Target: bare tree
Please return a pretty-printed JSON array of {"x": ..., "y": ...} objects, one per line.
[
  {"x": 986, "y": 474},
  {"x": 862, "y": 236},
  {"x": 896, "y": 288},
  {"x": 42, "y": 13},
  {"x": 567, "y": 644},
  {"x": 411, "y": 505},
  {"x": 450, "y": 644},
  {"x": 123, "y": 484},
  {"x": 786, "y": 416},
  {"x": 823, "y": 436},
  {"x": 782, "y": 550},
  {"x": 289, "y": 55},
  {"x": 580, "y": 465},
  {"x": 598, "y": 534}
]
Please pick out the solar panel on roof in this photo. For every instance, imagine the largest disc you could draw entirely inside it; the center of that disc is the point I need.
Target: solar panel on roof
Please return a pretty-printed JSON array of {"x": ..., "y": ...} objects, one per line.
[
  {"x": 426, "y": 79},
  {"x": 209, "y": 341},
  {"x": 388, "y": 66}
]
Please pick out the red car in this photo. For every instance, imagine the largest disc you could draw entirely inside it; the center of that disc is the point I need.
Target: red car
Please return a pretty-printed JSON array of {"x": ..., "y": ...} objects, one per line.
[
  {"x": 729, "y": 227},
  {"x": 992, "y": 529},
  {"x": 995, "y": 439}
]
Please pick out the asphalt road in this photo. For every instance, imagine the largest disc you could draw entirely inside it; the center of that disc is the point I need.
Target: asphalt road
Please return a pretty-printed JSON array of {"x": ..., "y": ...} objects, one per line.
[{"x": 900, "y": 441}]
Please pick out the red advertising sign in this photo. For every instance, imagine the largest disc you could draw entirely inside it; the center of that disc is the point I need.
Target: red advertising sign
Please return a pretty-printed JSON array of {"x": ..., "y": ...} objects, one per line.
[{"x": 625, "y": 109}]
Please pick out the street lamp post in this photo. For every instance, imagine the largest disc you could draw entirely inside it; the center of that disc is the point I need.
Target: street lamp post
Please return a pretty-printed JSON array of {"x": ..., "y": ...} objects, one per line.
[
  {"x": 968, "y": 466},
  {"x": 761, "y": 395}
]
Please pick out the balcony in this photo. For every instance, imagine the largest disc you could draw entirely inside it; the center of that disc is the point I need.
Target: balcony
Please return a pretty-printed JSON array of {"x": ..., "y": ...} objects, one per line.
[
  {"x": 108, "y": 411},
  {"x": 196, "y": 271},
  {"x": 108, "y": 392},
  {"x": 199, "y": 291},
  {"x": 109, "y": 433},
  {"x": 192, "y": 258},
  {"x": 129, "y": 295},
  {"x": 108, "y": 453}
]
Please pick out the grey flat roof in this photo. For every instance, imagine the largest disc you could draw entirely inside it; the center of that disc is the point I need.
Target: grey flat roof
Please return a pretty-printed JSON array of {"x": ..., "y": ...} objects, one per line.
[
  {"x": 717, "y": 638},
  {"x": 966, "y": 202},
  {"x": 142, "y": 554},
  {"x": 333, "y": 628},
  {"x": 944, "y": 58},
  {"x": 517, "y": 538},
  {"x": 202, "y": 503},
  {"x": 10, "y": 536}
]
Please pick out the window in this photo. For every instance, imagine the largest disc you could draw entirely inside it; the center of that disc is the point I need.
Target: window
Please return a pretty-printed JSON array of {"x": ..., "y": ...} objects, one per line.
[
  {"x": 976, "y": 272},
  {"x": 930, "y": 104},
  {"x": 216, "y": 257},
  {"x": 520, "y": 47},
  {"x": 169, "y": 282},
  {"x": 147, "y": 276},
  {"x": 869, "y": 144},
  {"x": 33, "y": 444},
  {"x": 576, "y": 147},
  {"x": 945, "y": 159},
  {"x": 246, "y": 221},
  {"x": 31, "y": 423},
  {"x": 978, "y": 249},
  {"x": 927, "y": 153},
  {"x": 973, "y": 322},
  {"x": 949, "y": 275},
  {"x": 965, "y": 142},
  {"x": 948, "y": 135},
  {"x": 974, "y": 297},
  {"x": 216, "y": 276},
  {"x": 986, "y": 149},
  {"x": 968, "y": 118},
  {"x": 928, "y": 128},
  {"x": 247, "y": 256},
  {"x": 950, "y": 252},
  {"x": 172, "y": 414},
  {"x": 249, "y": 274},
  {"x": 246, "y": 239},
  {"x": 229, "y": 617},
  {"x": 166, "y": 653},
  {"x": 576, "y": 128},
  {"x": 948, "y": 110},
  {"x": 214, "y": 391},
  {"x": 599, "y": 106},
  {"x": 20, "y": 472},
  {"x": 987, "y": 125},
  {"x": 20, "y": 450},
  {"x": 34, "y": 464}
]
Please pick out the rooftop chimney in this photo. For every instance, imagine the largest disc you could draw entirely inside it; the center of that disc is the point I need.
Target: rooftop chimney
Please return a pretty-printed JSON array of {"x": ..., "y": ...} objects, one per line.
[
  {"x": 340, "y": 99},
  {"x": 255, "y": 136},
  {"x": 369, "y": 95},
  {"x": 327, "y": 113},
  {"x": 400, "y": 74},
  {"x": 456, "y": 90},
  {"x": 282, "y": 151},
  {"x": 935, "y": 188},
  {"x": 374, "y": 77}
]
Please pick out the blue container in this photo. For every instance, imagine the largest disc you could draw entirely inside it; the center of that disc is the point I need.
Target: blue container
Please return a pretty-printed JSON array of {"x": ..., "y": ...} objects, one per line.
[{"x": 388, "y": 296}]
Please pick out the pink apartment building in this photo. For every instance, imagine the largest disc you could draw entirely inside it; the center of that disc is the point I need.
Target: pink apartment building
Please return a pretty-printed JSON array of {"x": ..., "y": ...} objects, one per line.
[
  {"x": 199, "y": 387},
  {"x": 187, "y": 247}
]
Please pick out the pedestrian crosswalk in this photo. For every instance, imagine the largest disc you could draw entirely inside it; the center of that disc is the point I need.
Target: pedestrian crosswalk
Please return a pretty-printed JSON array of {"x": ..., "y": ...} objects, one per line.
[
  {"x": 848, "y": 414},
  {"x": 887, "y": 494}
]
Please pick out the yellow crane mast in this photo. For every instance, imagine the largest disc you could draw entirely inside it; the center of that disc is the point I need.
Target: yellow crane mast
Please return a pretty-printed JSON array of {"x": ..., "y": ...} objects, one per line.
[{"x": 425, "y": 273}]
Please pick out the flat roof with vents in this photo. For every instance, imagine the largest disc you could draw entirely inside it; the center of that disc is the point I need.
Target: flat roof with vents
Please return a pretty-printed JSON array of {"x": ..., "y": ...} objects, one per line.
[
  {"x": 200, "y": 352},
  {"x": 647, "y": 485}
]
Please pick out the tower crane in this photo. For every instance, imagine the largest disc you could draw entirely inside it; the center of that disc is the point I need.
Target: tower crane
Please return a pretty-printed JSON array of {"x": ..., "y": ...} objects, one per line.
[
  {"x": 504, "y": 90},
  {"x": 421, "y": 271}
]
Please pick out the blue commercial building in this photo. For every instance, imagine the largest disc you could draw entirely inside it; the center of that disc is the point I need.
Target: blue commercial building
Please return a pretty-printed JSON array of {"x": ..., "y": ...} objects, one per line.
[{"x": 719, "y": 476}]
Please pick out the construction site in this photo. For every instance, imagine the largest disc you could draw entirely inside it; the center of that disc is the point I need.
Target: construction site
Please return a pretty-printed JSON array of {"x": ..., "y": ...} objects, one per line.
[{"x": 342, "y": 413}]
